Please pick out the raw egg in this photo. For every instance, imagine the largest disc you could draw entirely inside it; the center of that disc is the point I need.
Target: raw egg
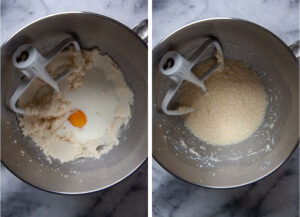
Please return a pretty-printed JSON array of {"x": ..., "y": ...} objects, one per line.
[
  {"x": 77, "y": 118},
  {"x": 93, "y": 107}
]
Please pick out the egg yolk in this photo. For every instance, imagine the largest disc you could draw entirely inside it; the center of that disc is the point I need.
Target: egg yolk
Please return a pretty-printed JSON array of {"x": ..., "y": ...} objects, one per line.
[{"x": 77, "y": 118}]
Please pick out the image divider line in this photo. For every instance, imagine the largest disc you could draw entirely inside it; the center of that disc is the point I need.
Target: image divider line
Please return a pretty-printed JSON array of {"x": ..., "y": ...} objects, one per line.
[{"x": 149, "y": 108}]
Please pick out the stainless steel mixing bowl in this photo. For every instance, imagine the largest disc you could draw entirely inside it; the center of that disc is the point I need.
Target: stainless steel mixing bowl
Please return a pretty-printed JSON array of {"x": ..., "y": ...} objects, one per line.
[
  {"x": 185, "y": 156},
  {"x": 21, "y": 156}
]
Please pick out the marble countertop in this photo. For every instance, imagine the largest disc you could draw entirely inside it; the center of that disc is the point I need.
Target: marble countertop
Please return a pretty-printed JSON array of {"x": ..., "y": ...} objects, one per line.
[
  {"x": 128, "y": 198},
  {"x": 275, "y": 195}
]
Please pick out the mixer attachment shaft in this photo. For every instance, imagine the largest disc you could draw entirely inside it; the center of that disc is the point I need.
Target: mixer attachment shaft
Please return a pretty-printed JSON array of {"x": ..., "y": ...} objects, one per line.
[
  {"x": 33, "y": 65},
  {"x": 177, "y": 68}
]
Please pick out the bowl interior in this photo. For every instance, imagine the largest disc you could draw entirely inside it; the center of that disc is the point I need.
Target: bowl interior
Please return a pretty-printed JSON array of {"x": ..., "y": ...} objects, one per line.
[
  {"x": 195, "y": 161},
  {"x": 23, "y": 157}
]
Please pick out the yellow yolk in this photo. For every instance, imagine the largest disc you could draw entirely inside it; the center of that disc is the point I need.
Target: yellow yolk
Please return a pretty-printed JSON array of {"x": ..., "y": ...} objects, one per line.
[{"x": 77, "y": 118}]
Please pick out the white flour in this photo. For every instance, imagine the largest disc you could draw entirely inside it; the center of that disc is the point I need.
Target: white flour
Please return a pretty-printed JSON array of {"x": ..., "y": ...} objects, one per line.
[{"x": 46, "y": 118}]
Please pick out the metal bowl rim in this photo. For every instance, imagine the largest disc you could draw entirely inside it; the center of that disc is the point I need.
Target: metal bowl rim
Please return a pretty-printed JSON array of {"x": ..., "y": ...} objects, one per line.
[
  {"x": 284, "y": 45},
  {"x": 70, "y": 13}
]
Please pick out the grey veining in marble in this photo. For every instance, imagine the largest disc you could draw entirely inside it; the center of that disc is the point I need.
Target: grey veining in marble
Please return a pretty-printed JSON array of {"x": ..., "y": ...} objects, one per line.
[
  {"x": 128, "y": 198},
  {"x": 15, "y": 14},
  {"x": 274, "y": 196},
  {"x": 279, "y": 16}
]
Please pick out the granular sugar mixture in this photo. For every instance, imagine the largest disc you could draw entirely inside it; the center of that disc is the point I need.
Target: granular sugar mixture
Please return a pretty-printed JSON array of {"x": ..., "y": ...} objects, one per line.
[
  {"x": 85, "y": 117},
  {"x": 231, "y": 109}
]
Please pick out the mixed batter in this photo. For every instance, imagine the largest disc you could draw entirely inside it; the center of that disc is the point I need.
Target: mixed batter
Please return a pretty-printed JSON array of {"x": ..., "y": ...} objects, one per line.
[
  {"x": 84, "y": 119},
  {"x": 231, "y": 109}
]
